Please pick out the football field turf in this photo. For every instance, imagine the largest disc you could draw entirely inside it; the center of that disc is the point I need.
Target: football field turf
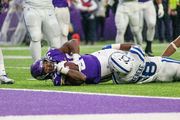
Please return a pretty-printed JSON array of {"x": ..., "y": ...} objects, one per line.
[
  {"x": 30, "y": 99},
  {"x": 18, "y": 61}
]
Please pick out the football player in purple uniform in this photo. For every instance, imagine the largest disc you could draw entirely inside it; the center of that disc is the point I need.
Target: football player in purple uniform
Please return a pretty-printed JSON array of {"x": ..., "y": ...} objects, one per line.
[{"x": 91, "y": 68}]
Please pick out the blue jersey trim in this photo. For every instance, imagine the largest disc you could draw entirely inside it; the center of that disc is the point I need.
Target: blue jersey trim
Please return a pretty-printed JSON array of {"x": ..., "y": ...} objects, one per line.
[
  {"x": 114, "y": 78},
  {"x": 166, "y": 59},
  {"x": 139, "y": 51},
  {"x": 134, "y": 52}
]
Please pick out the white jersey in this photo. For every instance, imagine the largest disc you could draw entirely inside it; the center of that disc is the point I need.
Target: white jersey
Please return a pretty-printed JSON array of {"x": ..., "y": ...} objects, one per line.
[
  {"x": 103, "y": 56},
  {"x": 148, "y": 69},
  {"x": 39, "y": 3}
]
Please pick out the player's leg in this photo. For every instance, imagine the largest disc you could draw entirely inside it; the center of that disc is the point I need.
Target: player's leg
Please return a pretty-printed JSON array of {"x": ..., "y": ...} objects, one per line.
[
  {"x": 134, "y": 22},
  {"x": 3, "y": 77},
  {"x": 169, "y": 71},
  {"x": 33, "y": 21},
  {"x": 150, "y": 18},
  {"x": 121, "y": 21},
  {"x": 51, "y": 29},
  {"x": 63, "y": 18}
]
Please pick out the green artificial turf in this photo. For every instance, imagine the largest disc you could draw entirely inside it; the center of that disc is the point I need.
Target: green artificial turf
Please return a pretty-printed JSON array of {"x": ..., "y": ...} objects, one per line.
[{"x": 18, "y": 69}]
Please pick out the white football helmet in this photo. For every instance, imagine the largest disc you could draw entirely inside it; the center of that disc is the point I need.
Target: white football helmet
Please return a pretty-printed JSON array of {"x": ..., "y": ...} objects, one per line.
[{"x": 120, "y": 62}]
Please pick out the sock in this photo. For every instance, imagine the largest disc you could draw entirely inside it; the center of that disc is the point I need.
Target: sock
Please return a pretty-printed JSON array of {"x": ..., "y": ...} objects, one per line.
[
  {"x": 35, "y": 48},
  {"x": 148, "y": 46},
  {"x": 2, "y": 69}
]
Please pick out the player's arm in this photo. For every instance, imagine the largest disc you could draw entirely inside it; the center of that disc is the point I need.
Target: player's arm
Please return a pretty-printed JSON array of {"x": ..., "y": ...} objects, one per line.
[
  {"x": 124, "y": 47},
  {"x": 70, "y": 46},
  {"x": 72, "y": 71},
  {"x": 174, "y": 45}
]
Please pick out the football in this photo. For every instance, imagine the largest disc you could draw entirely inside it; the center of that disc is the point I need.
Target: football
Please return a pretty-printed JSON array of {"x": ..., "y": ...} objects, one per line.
[{"x": 71, "y": 65}]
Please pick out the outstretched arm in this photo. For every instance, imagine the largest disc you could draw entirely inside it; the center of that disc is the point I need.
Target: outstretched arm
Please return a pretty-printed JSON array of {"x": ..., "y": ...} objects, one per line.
[
  {"x": 70, "y": 46},
  {"x": 174, "y": 45},
  {"x": 124, "y": 47}
]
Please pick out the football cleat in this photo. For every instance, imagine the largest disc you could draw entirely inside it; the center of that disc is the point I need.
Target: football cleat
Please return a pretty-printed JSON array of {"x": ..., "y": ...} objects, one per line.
[{"x": 5, "y": 80}]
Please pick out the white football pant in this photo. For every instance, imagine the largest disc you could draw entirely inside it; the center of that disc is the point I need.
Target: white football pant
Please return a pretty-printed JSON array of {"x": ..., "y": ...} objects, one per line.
[
  {"x": 38, "y": 22},
  {"x": 63, "y": 17},
  {"x": 148, "y": 13},
  {"x": 127, "y": 13}
]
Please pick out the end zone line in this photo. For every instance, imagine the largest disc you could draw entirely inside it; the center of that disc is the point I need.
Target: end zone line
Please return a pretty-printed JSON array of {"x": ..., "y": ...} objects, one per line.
[{"x": 86, "y": 93}]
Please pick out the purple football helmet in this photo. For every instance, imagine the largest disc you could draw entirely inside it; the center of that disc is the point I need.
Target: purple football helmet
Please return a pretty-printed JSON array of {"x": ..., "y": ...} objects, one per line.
[{"x": 37, "y": 70}]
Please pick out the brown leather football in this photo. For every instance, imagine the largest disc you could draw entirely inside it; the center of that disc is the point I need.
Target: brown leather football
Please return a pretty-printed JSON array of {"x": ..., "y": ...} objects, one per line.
[{"x": 71, "y": 65}]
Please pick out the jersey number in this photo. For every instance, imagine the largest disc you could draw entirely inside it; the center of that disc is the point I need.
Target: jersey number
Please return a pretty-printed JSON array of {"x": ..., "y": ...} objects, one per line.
[{"x": 150, "y": 69}]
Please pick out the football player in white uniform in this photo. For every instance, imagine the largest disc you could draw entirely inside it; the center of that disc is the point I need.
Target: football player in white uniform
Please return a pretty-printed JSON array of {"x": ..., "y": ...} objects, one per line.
[
  {"x": 39, "y": 16},
  {"x": 148, "y": 13},
  {"x": 135, "y": 67},
  {"x": 172, "y": 47},
  {"x": 3, "y": 77},
  {"x": 127, "y": 13}
]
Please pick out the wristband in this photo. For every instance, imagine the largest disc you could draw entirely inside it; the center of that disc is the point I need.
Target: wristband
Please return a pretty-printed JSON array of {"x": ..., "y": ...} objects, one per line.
[
  {"x": 174, "y": 46},
  {"x": 116, "y": 46}
]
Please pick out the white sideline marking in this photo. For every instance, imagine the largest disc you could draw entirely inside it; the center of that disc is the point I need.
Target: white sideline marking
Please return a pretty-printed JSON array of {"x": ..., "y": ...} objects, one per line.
[
  {"x": 81, "y": 46},
  {"x": 86, "y": 93},
  {"x": 18, "y": 67},
  {"x": 138, "y": 116},
  {"x": 17, "y": 57}
]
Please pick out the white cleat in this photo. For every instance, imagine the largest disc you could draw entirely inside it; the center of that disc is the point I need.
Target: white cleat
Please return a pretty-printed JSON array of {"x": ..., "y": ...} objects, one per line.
[{"x": 5, "y": 80}]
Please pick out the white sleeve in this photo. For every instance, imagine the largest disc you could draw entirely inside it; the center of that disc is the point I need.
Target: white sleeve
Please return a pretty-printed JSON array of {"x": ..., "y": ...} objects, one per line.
[{"x": 137, "y": 53}]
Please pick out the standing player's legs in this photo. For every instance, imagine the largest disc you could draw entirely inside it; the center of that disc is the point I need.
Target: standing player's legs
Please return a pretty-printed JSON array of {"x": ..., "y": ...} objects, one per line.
[
  {"x": 121, "y": 21},
  {"x": 51, "y": 29},
  {"x": 33, "y": 21},
  {"x": 134, "y": 22},
  {"x": 63, "y": 17},
  {"x": 150, "y": 18},
  {"x": 3, "y": 77}
]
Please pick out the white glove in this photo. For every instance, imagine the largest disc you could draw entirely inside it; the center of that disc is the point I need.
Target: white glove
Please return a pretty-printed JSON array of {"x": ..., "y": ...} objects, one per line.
[
  {"x": 160, "y": 11},
  {"x": 76, "y": 57},
  {"x": 61, "y": 69}
]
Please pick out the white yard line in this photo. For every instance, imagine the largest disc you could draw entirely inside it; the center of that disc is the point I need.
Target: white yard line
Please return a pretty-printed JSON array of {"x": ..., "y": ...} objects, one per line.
[
  {"x": 17, "y": 57},
  {"x": 137, "y": 116},
  {"x": 18, "y": 67},
  {"x": 82, "y": 46}
]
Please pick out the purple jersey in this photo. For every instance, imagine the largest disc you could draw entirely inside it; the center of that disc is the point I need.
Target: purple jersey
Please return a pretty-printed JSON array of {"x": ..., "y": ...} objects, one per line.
[
  {"x": 60, "y": 3},
  {"x": 90, "y": 65}
]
